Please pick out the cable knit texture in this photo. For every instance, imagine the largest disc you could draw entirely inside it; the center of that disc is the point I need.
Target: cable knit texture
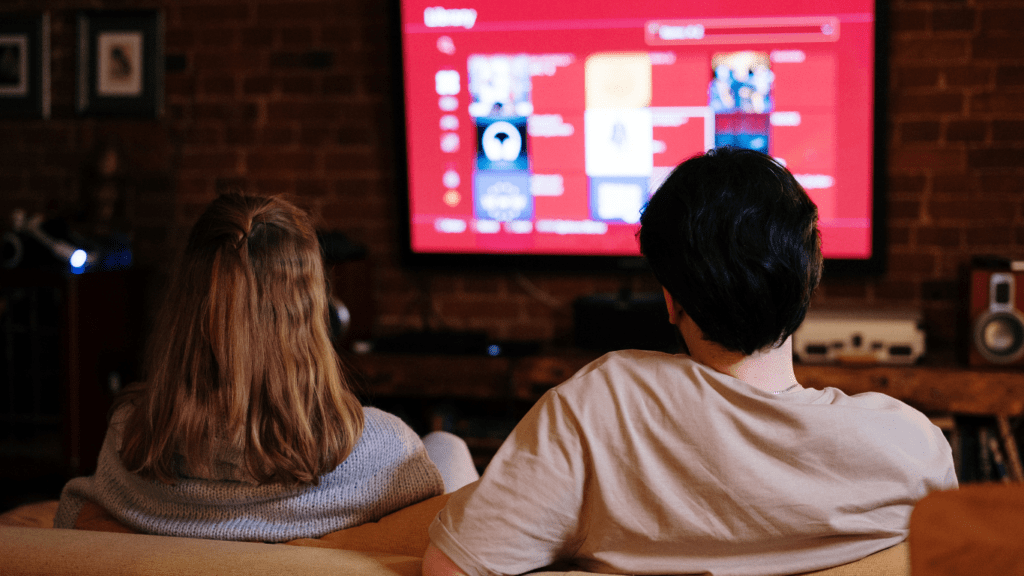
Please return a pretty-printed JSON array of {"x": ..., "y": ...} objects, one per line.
[{"x": 388, "y": 470}]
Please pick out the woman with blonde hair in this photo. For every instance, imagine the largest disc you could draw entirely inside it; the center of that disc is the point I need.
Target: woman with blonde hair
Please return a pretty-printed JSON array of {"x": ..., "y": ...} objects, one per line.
[{"x": 245, "y": 427}]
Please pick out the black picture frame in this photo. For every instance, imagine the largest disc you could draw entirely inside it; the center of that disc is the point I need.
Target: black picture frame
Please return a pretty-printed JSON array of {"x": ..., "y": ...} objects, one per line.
[
  {"x": 25, "y": 65},
  {"x": 120, "y": 63}
]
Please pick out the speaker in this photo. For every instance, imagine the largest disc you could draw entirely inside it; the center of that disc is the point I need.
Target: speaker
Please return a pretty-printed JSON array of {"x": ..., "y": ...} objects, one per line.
[{"x": 996, "y": 323}]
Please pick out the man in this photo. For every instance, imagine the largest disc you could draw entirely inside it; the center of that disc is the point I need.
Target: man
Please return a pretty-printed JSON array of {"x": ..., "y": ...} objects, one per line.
[{"x": 715, "y": 461}]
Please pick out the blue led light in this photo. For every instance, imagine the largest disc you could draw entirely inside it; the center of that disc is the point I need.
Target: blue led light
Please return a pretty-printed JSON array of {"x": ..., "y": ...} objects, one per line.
[
  {"x": 494, "y": 350},
  {"x": 78, "y": 258}
]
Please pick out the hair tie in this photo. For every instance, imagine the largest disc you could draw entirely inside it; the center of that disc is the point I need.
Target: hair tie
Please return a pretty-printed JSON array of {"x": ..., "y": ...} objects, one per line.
[{"x": 242, "y": 241}]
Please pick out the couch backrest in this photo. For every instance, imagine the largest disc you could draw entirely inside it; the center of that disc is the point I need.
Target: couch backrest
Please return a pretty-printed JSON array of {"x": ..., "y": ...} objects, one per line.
[{"x": 50, "y": 551}]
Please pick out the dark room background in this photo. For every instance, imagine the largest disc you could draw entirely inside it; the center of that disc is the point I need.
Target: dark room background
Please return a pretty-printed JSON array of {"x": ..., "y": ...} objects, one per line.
[{"x": 294, "y": 97}]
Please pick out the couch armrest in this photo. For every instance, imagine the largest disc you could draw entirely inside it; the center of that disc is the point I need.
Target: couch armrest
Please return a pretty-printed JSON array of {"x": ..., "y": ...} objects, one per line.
[
  {"x": 50, "y": 551},
  {"x": 974, "y": 530},
  {"x": 34, "y": 515}
]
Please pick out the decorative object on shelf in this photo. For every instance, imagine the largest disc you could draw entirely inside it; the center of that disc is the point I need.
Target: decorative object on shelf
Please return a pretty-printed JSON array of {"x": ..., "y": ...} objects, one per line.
[
  {"x": 25, "y": 65},
  {"x": 120, "y": 63}
]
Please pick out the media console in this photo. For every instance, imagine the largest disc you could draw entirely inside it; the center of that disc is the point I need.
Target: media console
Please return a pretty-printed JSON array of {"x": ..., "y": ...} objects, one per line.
[
  {"x": 928, "y": 387},
  {"x": 428, "y": 388}
]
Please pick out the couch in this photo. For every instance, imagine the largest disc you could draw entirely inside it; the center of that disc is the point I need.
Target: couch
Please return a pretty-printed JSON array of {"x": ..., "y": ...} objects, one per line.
[
  {"x": 976, "y": 530},
  {"x": 392, "y": 546}
]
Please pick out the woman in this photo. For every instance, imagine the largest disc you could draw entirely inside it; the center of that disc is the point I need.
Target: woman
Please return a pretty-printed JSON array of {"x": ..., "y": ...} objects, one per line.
[{"x": 245, "y": 427}]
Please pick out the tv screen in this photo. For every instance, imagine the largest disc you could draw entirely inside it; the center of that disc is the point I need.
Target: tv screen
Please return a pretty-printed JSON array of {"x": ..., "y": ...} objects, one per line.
[{"x": 535, "y": 131}]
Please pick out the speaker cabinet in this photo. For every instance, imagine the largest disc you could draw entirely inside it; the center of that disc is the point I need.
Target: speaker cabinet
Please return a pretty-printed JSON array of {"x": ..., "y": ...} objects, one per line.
[
  {"x": 68, "y": 343},
  {"x": 996, "y": 323}
]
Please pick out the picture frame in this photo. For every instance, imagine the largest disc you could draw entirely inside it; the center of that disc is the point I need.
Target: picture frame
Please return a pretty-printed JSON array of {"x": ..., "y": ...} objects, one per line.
[
  {"x": 120, "y": 63},
  {"x": 25, "y": 65}
]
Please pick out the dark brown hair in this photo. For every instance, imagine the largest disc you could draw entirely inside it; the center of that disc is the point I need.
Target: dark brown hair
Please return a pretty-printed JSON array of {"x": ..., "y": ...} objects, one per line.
[{"x": 734, "y": 239}]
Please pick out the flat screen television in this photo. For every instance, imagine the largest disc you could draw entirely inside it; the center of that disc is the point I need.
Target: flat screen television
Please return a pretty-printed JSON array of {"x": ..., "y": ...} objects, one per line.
[{"x": 533, "y": 132}]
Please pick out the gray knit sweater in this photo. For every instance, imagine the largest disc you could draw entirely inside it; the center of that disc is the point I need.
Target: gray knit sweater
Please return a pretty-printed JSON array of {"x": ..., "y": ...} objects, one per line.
[{"x": 387, "y": 470}]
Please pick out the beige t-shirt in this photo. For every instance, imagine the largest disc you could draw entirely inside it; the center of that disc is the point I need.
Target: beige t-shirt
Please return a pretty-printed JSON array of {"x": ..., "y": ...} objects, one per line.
[{"x": 648, "y": 463}]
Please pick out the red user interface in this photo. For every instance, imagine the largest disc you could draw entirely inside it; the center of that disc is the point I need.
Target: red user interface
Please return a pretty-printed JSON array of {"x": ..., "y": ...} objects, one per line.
[{"x": 541, "y": 127}]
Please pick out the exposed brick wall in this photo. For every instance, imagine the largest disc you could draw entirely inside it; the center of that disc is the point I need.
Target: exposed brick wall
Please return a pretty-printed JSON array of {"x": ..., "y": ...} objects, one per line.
[
  {"x": 956, "y": 149},
  {"x": 294, "y": 97}
]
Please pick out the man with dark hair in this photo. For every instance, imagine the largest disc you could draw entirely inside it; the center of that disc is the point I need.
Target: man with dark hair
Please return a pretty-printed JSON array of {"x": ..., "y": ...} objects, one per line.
[
  {"x": 733, "y": 239},
  {"x": 716, "y": 461}
]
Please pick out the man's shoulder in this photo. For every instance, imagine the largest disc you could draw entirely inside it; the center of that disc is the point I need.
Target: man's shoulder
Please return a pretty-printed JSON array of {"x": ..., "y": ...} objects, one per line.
[
  {"x": 872, "y": 402},
  {"x": 636, "y": 361},
  {"x": 627, "y": 373}
]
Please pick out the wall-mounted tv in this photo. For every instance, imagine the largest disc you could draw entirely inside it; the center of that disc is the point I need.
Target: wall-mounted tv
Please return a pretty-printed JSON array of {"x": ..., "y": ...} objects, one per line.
[{"x": 533, "y": 132}]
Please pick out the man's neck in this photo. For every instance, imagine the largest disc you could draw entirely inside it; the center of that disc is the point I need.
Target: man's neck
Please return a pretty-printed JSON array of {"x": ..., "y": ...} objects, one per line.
[{"x": 770, "y": 370}]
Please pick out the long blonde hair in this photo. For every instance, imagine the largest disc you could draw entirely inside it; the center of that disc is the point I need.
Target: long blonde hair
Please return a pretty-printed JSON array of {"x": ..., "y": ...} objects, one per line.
[{"x": 241, "y": 353}]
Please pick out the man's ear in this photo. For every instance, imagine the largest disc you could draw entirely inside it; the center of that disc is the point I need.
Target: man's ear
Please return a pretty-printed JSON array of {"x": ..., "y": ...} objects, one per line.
[{"x": 675, "y": 311}]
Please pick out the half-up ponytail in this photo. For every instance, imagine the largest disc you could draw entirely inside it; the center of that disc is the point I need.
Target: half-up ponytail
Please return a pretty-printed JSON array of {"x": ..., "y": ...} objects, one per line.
[{"x": 242, "y": 354}]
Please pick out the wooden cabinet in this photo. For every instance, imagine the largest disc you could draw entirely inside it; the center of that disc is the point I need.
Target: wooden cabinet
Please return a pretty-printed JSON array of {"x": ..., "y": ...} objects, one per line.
[
  {"x": 454, "y": 392},
  {"x": 928, "y": 387}
]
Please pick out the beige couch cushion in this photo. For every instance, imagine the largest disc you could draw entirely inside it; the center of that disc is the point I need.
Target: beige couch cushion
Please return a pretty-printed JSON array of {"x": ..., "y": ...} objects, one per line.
[
  {"x": 403, "y": 532},
  {"x": 52, "y": 551},
  {"x": 393, "y": 546}
]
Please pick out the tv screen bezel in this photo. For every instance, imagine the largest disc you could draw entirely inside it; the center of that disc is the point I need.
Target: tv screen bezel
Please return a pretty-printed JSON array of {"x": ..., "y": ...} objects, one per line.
[{"x": 875, "y": 265}]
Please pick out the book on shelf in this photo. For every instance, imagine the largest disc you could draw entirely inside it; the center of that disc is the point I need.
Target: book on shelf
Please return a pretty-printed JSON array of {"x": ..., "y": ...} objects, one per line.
[
  {"x": 1006, "y": 433},
  {"x": 998, "y": 459},
  {"x": 984, "y": 448}
]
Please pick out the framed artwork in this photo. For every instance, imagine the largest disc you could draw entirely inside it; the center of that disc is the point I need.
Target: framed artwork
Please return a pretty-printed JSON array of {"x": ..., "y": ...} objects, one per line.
[
  {"x": 25, "y": 65},
  {"x": 121, "y": 63}
]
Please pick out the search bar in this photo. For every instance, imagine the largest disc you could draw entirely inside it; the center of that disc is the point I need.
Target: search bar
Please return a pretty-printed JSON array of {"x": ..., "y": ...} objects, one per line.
[{"x": 742, "y": 31}]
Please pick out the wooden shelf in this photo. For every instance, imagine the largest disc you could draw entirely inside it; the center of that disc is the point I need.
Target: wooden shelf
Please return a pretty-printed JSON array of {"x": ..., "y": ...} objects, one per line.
[
  {"x": 481, "y": 398},
  {"x": 425, "y": 376},
  {"x": 958, "y": 390},
  {"x": 930, "y": 388}
]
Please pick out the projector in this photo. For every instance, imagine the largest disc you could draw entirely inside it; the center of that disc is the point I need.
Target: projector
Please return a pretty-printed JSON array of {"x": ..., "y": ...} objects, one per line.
[{"x": 863, "y": 336}]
